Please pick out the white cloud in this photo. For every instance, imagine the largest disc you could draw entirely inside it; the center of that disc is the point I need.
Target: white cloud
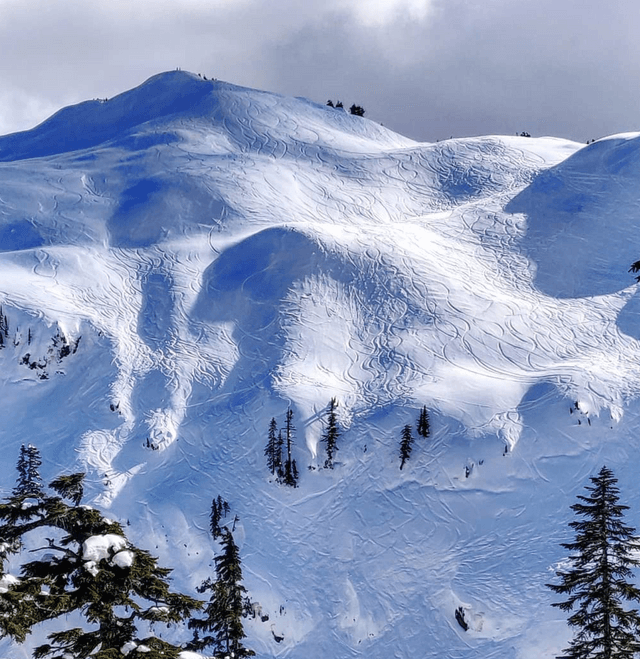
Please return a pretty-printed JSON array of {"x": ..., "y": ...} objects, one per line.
[
  {"x": 21, "y": 110},
  {"x": 378, "y": 13}
]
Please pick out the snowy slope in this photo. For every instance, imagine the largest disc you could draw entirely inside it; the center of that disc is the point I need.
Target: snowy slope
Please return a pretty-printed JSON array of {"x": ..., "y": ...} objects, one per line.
[{"x": 222, "y": 253}]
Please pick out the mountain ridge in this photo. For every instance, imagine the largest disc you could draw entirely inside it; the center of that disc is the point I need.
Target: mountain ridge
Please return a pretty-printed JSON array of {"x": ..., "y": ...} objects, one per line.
[{"x": 159, "y": 101}]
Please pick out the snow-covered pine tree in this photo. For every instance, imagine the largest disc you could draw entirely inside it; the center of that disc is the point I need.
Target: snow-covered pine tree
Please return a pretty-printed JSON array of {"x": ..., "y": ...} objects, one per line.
[
  {"x": 273, "y": 449},
  {"x": 597, "y": 582},
  {"x": 424, "y": 428},
  {"x": 222, "y": 626},
  {"x": 70, "y": 487},
  {"x": 331, "y": 434},
  {"x": 86, "y": 565},
  {"x": 406, "y": 444},
  {"x": 290, "y": 469}
]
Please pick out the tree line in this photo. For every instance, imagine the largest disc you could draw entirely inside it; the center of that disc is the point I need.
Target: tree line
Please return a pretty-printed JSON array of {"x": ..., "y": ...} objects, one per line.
[
  {"x": 356, "y": 110},
  {"x": 283, "y": 466},
  {"x": 85, "y": 564}
]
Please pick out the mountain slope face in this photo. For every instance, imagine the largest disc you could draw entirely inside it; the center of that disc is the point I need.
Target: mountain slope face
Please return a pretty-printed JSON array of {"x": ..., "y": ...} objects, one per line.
[{"x": 189, "y": 259}]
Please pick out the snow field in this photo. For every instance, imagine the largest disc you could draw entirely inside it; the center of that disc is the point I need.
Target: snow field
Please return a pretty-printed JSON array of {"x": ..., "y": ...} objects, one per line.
[{"x": 225, "y": 254}]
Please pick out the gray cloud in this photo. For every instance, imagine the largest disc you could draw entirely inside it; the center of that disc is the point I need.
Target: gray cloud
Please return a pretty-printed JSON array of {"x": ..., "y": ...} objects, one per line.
[{"x": 426, "y": 68}]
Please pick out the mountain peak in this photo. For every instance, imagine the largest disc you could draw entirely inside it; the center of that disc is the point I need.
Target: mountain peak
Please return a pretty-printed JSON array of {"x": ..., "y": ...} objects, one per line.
[
  {"x": 168, "y": 101},
  {"x": 91, "y": 123}
]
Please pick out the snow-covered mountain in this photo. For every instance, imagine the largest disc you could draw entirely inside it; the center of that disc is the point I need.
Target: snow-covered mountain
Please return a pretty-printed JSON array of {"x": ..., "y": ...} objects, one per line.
[{"x": 187, "y": 260}]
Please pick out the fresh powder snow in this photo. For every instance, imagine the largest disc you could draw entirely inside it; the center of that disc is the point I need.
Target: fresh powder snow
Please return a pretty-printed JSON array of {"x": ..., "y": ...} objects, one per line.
[{"x": 185, "y": 261}]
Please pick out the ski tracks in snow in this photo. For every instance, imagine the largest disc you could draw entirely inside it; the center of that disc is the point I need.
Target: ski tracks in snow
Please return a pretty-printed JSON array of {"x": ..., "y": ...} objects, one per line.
[{"x": 397, "y": 281}]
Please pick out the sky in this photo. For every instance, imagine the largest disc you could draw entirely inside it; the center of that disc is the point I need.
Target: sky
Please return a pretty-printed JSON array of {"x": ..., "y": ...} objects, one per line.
[{"x": 429, "y": 69}]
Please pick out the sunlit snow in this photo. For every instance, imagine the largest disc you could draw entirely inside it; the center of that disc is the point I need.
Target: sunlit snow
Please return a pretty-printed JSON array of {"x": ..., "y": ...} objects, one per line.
[{"x": 185, "y": 261}]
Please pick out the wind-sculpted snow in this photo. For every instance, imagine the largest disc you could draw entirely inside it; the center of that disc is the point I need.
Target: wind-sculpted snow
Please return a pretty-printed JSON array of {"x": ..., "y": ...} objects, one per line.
[
  {"x": 219, "y": 254},
  {"x": 582, "y": 214}
]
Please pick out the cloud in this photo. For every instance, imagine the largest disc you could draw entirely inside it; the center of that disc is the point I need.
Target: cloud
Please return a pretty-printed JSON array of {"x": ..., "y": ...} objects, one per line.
[
  {"x": 21, "y": 110},
  {"x": 427, "y": 68},
  {"x": 379, "y": 13},
  {"x": 472, "y": 68}
]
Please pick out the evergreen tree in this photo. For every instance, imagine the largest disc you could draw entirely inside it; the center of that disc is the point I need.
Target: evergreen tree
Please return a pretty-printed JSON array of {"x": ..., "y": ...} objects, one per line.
[
  {"x": 424, "y": 429},
  {"x": 273, "y": 449},
  {"x": 596, "y": 584},
  {"x": 330, "y": 103},
  {"x": 87, "y": 565},
  {"x": 289, "y": 430},
  {"x": 222, "y": 625},
  {"x": 291, "y": 475},
  {"x": 406, "y": 445},
  {"x": 331, "y": 434},
  {"x": 219, "y": 509},
  {"x": 279, "y": 454},
  {"x": 28, "y": 483},
  {"x": 70, "y": 487},
  {"x": 4, "y": 324},
  {"x": 214, "y": 519},
  {"x": 26, "y": 497},
  {"x": 339, "y": 105},
  {"x": 357, "y": 110},
  {"x": 290, "y": 468}
]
